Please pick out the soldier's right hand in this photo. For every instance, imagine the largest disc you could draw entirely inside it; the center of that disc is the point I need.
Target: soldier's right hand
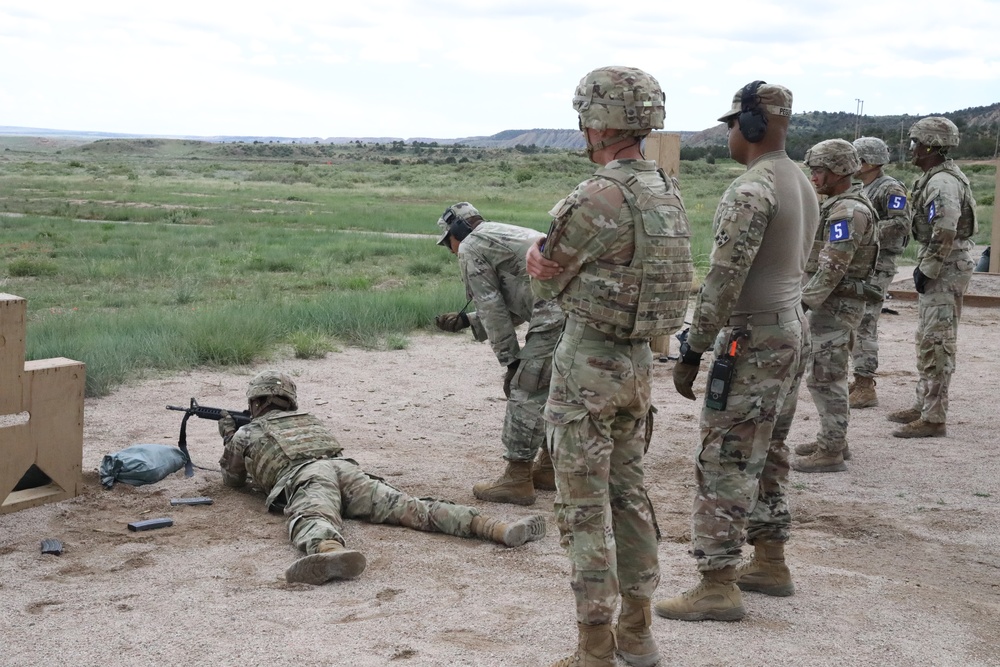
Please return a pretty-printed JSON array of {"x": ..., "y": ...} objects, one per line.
[
  {"x": 452, "y": 322},
  {"x": 684, "y": 375},
  {"x": 227, "y": 425}
]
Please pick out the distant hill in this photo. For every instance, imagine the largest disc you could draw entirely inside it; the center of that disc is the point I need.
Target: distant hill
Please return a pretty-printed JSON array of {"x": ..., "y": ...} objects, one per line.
[{"x": 980, "y": 128}]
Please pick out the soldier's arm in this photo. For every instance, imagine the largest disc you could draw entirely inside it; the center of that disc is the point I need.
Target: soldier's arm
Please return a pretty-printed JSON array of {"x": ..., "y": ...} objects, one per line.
[
  {"x": 584, "y": 226},
  {"x": 894, "y": 231},
  {"x": 943, "y": 210},
  {"x": 841, "y": 232},
  {"x": 234, "y": 469},
  {"x": 738, "y": 228},
  {"x": 492, "y": 319}
]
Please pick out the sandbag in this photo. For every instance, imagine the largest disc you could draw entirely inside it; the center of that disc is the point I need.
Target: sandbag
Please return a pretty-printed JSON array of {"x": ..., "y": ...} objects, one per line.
[{"x": 141, "y": 464}]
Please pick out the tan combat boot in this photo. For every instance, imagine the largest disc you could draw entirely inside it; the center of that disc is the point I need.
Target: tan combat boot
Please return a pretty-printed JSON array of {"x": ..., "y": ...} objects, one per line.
[
  {"x": 543, "y": 476},
  {"x": 595, "y": 648},
  {"x": 921, "y": 429},
  {"x": 904, "y": 416},
  {"x": 715, "y": 598},
  {"x": 765, "y": 572},
  {"x": 863, "y": 394},
  {"x": 514, "y": 486},
  {"x": 807, "y": 448},
  {"x": 332, "y": 560},
  {"x": 512, "y": 534},
  {"x": 821, "y": 460},
  {"x": 632, "y": 634}
]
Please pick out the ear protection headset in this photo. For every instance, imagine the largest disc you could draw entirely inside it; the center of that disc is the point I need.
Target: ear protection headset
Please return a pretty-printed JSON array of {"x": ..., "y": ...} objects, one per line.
[
  {"x": 753, "y": 121},
  {"x": 457, "y": 226}
]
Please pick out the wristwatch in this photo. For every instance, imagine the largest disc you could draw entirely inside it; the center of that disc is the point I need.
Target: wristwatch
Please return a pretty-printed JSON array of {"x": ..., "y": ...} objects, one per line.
[{"x": 689, "y": 356}]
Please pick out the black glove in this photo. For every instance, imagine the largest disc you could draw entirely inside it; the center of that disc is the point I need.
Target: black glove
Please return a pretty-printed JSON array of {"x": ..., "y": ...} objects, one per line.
[
  {"x": 509, "y": 377},
  {"x": 452, "y": 322},
  {"x": 686, "y": 370},
  {"x": 920, "y": 280}
]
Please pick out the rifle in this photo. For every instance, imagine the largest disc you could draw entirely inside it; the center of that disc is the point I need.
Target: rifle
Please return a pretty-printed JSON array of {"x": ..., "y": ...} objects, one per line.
[{"x": 241, "y": 417}]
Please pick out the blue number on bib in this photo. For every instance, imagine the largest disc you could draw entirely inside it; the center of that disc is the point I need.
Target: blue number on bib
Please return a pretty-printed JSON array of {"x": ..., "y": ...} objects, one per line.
[
  {"x": 897, "y": 203},
  {"x": 839, "y": 231},
  {"x": 931, "y": 210}
]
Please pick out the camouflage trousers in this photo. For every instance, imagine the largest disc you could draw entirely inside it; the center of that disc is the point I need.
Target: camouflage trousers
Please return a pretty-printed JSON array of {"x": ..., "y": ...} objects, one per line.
[
  {"x": 596, "y": 417},
  {"x": 741, "y": 468},
  {"x": 524, "y": 424},
  {"x": 939, "y": 310},
  {"x": 864, "y": 343},
  {"x": 831, "y": 327},
  {"x": 321, "y": 494}
]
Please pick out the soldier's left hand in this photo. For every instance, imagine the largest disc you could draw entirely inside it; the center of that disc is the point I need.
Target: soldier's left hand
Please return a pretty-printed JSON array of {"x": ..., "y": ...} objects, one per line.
[
  {"x": 227, "y": 425},
  {"x": 920, "y": 280},
  {"x": 509, "y": 377},
  {"x": 684, "y": 375},
  {"x": 452, "y": 322},
  {"x": 537, "y": 265}
]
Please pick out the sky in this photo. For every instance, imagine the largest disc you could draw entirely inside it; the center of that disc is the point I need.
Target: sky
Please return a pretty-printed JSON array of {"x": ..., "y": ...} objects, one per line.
[{"x": 457, "y": 68}]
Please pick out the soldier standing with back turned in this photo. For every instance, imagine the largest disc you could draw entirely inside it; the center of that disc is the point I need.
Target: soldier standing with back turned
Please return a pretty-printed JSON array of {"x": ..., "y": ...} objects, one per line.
[
  {"x": 619, "y": 247},
  {"x": 944, "y": 222},
  {"x": 749, "y": 309},
  {"x": 892, "y": 216}
]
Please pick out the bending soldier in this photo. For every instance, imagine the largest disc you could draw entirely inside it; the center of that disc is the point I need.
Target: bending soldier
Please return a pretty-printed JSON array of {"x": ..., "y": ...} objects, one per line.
[
  {"x": 944, "y": 222},
  {"x": 297, "y": 462},
  {"x": 619, "y": 264},
  {"x": 491, "y": 257},
  {"x": 838, "y": 271}
]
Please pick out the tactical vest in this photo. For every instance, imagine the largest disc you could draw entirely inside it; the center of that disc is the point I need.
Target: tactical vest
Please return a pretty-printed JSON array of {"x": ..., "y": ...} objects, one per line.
[
  {"x": 863, "y": 263},
  {"x": 649, "y": 296},
  {"x": 288, "y": 437},
  {"x": 967, "y": 223}
]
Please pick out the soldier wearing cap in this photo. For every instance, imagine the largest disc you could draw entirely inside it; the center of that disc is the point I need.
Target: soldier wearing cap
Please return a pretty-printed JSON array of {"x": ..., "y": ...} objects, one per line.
[
  {"x": 944, "y": 222},
  {"x": 748, "y": 309},
  {"x": 297, "y": 462},
  {"x": 617, "y": 259},
  {"x": 491, "y": 258},
  {"x": 892, "y": 216},
  {"x": 838, "y": 286}
]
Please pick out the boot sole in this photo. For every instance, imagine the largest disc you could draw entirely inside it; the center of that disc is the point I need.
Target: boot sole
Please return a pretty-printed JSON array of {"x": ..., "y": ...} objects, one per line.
[
  {"x": 320, "y": 568},
  {"x": 519, "y": 500},
  {"x": 528, "y": 531},
  {"x": 835, "y": 467},
  {"x": 647, "y": 660},
  {"x": 774, "y": 591},
  {"x": 903, "y": 434},
  {"x": 734, "y": 614}
]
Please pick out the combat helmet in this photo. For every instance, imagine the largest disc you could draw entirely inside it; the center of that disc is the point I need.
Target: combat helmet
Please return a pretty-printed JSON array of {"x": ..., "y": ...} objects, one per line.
[
  {"x": 872, "y": 150},
  {"x": 270, "y": 383},
  {"x": 935, "y": 131},
  {"x": 837, "y": 155},
  {"x": 458, "y": 220},
  {"x": 619, "y": 98}
]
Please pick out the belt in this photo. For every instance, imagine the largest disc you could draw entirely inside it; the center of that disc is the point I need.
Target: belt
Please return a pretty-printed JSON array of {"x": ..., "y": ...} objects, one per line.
[
  {"x": 766, "y": 319},
  {"x": 590, "y": 333}
]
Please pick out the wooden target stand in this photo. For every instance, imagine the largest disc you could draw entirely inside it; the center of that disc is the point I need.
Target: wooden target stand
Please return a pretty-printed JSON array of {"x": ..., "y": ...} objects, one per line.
[
  {"x": 665, "y": 149},
  {"x": 41, "y": 419}
]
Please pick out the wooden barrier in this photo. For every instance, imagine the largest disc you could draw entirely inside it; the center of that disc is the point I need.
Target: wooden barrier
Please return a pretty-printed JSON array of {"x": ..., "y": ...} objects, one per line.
[{"x": 41, "y": 419}]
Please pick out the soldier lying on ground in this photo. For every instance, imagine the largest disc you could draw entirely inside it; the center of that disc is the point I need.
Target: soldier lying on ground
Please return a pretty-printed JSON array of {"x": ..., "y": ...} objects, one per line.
[{"x": 295, "y": 459}]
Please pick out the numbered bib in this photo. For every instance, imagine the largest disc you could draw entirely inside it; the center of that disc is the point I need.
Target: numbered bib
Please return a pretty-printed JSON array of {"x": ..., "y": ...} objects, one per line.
[{"x": 839, "y": 231}]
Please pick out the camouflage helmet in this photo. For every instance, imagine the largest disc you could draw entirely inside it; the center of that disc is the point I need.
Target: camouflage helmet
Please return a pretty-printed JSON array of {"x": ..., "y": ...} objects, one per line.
[
  {"x": 273, "y": 383},
  {"x": 619, "y": 98},
  {"x": 872, "y": 150},
  {"x": 463, "y": 211},
  {"x": 935, "y": 131},
  {"x": 837, "y": 155}
]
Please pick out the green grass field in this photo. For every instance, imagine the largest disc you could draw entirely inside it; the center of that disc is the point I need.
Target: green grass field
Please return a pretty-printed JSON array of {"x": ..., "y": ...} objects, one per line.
[{"x": 147, "y": 255}]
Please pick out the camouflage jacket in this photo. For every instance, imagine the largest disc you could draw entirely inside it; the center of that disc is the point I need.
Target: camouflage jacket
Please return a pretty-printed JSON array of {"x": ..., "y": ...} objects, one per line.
[
  {"x": 594, "y": 224},
  {"x": 893, "y": 215},
  {"x": 944, "y": 215},
  {"x": 493, "y": 270},
  {"x": 846, "y": 233},
  {"x": 762, "y": 240}
]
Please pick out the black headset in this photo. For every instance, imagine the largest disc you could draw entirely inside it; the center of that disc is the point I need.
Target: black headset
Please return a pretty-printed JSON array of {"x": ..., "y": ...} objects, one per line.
[
  {"x": 457, "y": 226},
  {"x": 753, "y": 121}
]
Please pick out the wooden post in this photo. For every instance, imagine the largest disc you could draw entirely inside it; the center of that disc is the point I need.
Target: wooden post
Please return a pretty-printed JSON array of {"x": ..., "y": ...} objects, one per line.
[
  {"x": 41, "y": 419},
  {"x": 995, "y": 254},
  {"x": 665, "y": 148}
]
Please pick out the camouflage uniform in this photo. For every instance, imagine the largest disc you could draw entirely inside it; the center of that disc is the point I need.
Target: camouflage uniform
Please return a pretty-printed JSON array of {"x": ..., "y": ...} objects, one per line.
[
  {"x": 763, "y": 231},
  {"x": 601, "y": 374},
  {"x": 892, "y": 215},
  {"x": 491, "y": 258},
  {"x": 843, "y": 255},
  {"x": 944, "y": 221},
  {"x": 296, "y": 460}
]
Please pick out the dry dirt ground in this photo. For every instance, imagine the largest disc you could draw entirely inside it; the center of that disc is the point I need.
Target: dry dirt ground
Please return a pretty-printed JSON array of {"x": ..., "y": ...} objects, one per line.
[{"x": 896, "y": 562}]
